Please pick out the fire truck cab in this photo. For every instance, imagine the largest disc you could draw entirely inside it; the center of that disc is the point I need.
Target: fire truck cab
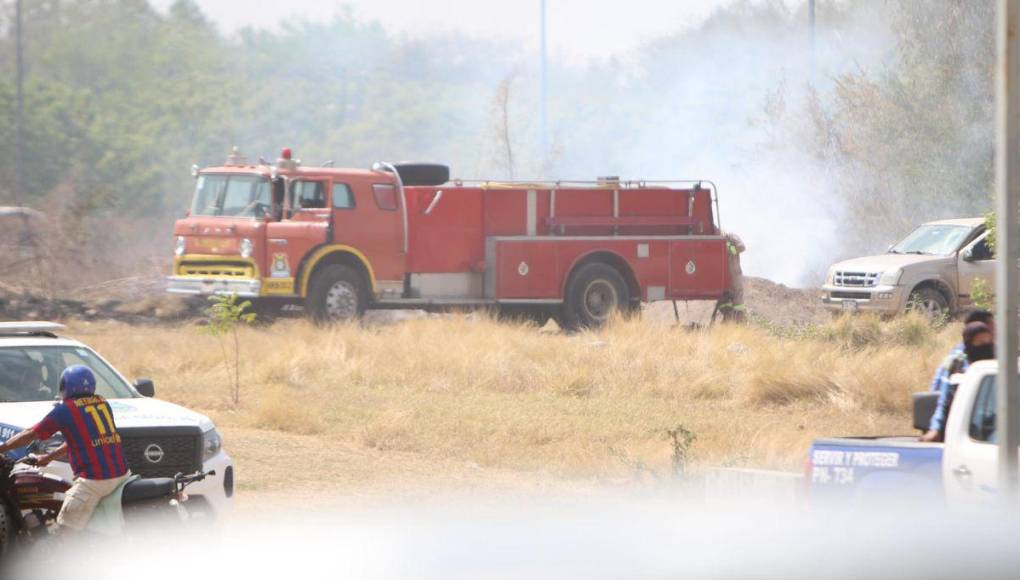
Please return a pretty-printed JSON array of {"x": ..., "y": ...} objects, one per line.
[{"x": 340, "y": 241}]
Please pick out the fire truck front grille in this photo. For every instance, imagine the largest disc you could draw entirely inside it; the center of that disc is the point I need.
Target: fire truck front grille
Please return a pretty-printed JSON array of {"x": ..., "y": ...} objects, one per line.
[
  {"x": 856, "y": 279},
  {"x": 162, "y": 452},
  {"x": 216, "y": 269}
]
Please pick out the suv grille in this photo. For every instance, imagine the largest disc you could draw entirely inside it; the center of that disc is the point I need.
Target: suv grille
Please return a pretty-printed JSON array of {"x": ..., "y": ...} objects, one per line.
[
  {"x": 856, "y": 279},
  {"x": 162, "y": 451}
]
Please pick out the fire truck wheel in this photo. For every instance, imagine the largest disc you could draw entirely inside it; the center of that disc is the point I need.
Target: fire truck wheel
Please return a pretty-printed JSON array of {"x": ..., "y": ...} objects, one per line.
[
  {"x": 594, "y": 294},
  {"x": 337, "y": 293}
]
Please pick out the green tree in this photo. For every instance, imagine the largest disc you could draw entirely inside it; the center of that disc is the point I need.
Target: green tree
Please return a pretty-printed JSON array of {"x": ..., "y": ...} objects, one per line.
[{"x": 225, "y": 316}]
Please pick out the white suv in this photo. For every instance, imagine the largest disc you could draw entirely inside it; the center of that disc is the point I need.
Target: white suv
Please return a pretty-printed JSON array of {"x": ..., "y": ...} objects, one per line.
[{"x": 160, "y": 439}]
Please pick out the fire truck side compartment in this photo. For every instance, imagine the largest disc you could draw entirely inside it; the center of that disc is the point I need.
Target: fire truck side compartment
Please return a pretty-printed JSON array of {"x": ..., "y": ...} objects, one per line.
[{"x": 522, "y": 243}]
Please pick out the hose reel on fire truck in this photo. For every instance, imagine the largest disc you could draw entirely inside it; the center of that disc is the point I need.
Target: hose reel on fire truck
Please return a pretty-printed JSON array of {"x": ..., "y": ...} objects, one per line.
[{"x": 427, "y": 174}]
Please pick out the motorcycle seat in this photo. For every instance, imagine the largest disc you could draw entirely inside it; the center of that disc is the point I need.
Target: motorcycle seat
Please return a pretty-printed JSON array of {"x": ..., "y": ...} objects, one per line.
[{"x": 147, "y": 489}]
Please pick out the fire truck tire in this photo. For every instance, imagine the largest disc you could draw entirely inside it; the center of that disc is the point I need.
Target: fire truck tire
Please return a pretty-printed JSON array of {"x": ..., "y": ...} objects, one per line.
[
  {"x": 337, "y": 293},
  {"x": 595, "y": 293},
  {"x": 422, "y": 173}
]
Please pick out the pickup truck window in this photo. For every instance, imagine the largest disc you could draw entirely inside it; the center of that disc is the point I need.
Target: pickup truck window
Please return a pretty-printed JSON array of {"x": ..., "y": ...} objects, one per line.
[
  {"x": 934, "y": 240},
  {"x": 32, "y": 373},
  {"x": 981, "y": 251},
  {"x": 982, "y": 420}
]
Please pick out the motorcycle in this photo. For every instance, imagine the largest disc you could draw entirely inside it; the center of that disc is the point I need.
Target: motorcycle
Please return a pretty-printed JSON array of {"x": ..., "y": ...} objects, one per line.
[{"x": 30, "y": 500}]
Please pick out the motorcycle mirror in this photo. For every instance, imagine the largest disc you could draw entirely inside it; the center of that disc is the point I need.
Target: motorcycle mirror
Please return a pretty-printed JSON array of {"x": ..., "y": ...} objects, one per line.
[{"x": 145, "y": 387}]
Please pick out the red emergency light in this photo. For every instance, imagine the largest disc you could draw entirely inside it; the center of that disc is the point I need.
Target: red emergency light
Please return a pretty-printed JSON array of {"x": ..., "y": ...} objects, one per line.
[{"x": 285, "y": 153}]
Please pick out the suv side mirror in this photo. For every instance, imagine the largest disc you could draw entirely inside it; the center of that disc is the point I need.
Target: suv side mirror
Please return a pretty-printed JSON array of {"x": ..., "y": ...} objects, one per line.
[
  {"x": 968, "y": 255},
  {"x": 145, "y": 387}
]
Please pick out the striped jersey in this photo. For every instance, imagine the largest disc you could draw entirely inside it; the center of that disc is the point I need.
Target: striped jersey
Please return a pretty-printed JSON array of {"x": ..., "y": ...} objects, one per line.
[{"x": 93, "y": 444}]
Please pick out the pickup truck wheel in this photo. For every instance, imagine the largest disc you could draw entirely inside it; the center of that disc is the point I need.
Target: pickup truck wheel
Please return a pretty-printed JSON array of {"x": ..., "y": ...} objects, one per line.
[
  {"x": 337, "y": 294},
  {"x": 595, "y": 293},
  {"x": 929, "y": 302}
]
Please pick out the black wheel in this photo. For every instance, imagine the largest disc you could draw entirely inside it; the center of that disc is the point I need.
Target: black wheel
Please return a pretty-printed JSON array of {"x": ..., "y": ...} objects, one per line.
[
  {"x": 337, "y": 293},
  {"x": 595, "y": 293},
  {"x": 422, "y": 173},
  {"x": 930, "y": 302}
]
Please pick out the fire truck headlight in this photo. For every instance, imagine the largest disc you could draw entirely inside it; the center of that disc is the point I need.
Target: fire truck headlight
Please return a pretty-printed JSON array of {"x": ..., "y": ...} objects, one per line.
[
  {"x": 180, "y": 246},
  {"x": 246, "y": 248}
]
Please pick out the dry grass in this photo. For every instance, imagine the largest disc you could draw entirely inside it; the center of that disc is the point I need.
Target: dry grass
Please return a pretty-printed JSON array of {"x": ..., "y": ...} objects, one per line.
[{"x": 464, "y": 394}]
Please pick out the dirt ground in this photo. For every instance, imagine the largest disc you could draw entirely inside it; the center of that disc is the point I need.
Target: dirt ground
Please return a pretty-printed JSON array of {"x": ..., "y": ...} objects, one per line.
[
  {"x": 777, "y": 304},
  {"x": 142, "y": 300}
]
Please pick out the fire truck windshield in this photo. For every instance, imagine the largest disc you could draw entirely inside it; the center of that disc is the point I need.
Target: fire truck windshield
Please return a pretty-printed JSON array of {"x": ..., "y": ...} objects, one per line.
[{"x": 231, "y": 196}]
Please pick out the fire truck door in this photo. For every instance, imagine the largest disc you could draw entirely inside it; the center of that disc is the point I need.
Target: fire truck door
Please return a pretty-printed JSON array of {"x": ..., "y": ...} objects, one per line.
[{"x": 304, "y": 225}]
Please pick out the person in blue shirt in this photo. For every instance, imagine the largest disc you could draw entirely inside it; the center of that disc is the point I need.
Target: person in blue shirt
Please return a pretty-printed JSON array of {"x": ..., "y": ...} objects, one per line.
[
  {"x": 978, "y": 344},
  {"x": 942, "y": 372},
  {"x": 91, "y": 443}
]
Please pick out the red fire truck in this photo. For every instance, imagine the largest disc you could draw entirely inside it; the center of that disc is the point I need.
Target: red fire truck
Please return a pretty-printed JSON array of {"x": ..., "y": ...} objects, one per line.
[{"x": 340, "y": 241}]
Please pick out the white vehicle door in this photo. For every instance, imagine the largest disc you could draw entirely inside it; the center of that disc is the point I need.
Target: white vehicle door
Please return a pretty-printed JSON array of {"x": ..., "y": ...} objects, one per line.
[
  {"x": 970, "y": 459},
  {"x": 975, "y": 262}
]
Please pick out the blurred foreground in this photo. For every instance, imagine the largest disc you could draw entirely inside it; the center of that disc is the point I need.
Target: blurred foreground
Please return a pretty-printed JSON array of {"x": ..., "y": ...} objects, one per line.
[{"x": 663, "y": 536}]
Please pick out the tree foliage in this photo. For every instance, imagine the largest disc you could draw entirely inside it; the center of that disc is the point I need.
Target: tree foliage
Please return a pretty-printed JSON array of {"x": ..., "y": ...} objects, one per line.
[{"x": 894, "y": 127}]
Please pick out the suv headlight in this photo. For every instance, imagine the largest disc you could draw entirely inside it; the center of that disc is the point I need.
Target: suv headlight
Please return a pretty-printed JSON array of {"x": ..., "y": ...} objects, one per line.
[
  {"x": 890, "y": 277},
  {"x": 246, "y": 248},
  {"x": 179, "y": 246},
  {"x": 211, "y": 444}
]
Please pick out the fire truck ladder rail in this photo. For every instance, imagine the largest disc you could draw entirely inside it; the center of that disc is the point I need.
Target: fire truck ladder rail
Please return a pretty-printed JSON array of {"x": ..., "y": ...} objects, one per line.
[{"x": 600, "y": 183}]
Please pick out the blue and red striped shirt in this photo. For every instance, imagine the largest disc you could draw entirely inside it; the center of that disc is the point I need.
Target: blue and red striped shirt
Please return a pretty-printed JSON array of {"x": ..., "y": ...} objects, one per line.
[{"x": 93, "y": 444}]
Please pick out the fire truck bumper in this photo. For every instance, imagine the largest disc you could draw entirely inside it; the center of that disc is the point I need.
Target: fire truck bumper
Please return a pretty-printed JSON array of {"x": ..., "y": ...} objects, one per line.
[{"x": 247, "y": 288}]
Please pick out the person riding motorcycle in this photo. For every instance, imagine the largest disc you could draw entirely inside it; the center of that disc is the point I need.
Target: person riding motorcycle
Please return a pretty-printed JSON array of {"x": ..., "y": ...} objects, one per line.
[{"x": 91, "y": 441}]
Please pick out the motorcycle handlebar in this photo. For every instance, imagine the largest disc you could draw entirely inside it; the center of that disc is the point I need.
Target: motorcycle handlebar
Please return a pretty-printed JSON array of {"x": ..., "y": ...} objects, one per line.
[{"x": 186, "y": 480}]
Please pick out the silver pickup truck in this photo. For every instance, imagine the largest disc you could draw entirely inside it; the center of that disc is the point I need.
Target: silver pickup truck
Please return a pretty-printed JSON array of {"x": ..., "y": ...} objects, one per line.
[{"x": 932, "y": 270}]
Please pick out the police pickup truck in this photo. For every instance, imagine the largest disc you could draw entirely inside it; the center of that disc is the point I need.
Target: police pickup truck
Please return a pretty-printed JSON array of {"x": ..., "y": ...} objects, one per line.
[
  {"x": 160, "y": 439},
  {"x": 961, "y": 470}
]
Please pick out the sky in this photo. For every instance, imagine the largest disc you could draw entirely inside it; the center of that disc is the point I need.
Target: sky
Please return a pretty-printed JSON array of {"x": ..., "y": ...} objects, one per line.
[{"x": 578, "y": 30}]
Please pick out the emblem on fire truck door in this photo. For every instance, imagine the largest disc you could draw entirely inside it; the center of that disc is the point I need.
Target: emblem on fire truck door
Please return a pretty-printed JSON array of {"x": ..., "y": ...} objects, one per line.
[
  {"x": 280, "y": 268},
  {"x": 691, "y": 268},
  {"x": 522, "y": 269}
]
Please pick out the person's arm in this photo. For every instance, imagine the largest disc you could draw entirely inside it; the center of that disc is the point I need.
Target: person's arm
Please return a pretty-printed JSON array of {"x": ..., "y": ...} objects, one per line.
[
  {"x": 938, "y": 418},
  {"x": 936, "y": 379},
  {"x": 20, "y": 440},
  {"x": 58, "y": 453}
]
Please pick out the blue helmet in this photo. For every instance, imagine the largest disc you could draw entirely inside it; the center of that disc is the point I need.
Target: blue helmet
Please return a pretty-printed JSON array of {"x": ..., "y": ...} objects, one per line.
[{"x": 77, "y": 381}]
